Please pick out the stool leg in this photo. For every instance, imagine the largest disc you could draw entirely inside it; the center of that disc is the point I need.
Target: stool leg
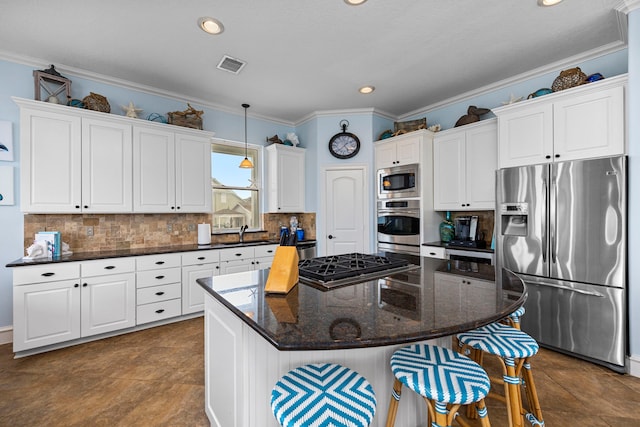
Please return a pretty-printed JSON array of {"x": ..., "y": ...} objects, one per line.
[
  {"x": 532, "y": 395},
  {"x": 482, "y": 412},
  {"x": 393, "y": 403},
  {"x": 512, "y": 392}
]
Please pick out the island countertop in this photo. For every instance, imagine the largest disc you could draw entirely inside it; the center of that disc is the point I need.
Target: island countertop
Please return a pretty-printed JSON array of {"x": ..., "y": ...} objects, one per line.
[{"x": 437, "y": 298}]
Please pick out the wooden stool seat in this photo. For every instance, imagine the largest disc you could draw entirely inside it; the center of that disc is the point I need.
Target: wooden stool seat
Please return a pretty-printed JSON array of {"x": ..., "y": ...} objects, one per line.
[
  {"x": 323, "y": 394},
  {"x": 444, "y": 378},
  {"x": 514, "y": 348}
]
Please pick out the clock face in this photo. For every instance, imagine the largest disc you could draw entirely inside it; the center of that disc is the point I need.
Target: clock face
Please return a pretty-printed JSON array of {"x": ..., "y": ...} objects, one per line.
[{"x": 344, "y": 145}]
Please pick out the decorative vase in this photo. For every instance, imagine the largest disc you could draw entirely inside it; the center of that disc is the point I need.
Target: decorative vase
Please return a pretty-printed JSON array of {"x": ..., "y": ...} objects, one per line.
[{"x": 447, "y": 229}]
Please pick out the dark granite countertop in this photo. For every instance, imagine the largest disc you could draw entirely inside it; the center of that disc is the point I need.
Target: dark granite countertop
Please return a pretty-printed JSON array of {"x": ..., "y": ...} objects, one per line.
[
  {"x": 462, "y": 248},
  {"x": 429, "y": 301},
  {"x": 156, "y": 250}
]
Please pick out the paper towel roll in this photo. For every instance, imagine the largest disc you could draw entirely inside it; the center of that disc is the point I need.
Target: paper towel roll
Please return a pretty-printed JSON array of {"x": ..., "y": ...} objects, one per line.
[{"x": 204, "y": 234}]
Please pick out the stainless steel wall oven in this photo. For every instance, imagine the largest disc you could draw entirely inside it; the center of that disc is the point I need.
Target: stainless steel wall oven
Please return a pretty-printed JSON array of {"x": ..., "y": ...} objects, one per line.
[{"x": 399, "y": 226}]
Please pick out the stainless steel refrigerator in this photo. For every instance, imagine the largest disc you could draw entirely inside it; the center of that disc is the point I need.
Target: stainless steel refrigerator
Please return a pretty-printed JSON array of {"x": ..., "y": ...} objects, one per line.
[{"x": 562, "y": 227}]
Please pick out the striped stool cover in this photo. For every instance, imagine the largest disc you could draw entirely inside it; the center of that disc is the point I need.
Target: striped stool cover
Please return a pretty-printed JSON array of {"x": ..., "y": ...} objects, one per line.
[
  {"x": 323, "y": 394},
  {"x": 501, "y": 340},
  {"x": 514, "y": 318},
  {"x": 440, "y": 374}
]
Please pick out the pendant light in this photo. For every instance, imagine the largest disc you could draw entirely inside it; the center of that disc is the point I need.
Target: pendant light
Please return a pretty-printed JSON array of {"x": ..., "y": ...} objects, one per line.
[{"x": 246, "y": 163}]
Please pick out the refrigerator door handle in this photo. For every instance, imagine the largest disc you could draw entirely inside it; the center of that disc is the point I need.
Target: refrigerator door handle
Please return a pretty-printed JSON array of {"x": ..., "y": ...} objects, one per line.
[
  {"x": 579, "y": 291},
  {"x": 544, "y": 222}
]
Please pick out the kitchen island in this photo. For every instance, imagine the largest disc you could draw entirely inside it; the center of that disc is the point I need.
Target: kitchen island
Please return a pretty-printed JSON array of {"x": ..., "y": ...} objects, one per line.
[{"x": 251, "y": 339}]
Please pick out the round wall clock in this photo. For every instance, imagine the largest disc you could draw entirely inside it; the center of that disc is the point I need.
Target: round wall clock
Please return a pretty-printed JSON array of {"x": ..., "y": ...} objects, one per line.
[{"x": 344, "y": 145}]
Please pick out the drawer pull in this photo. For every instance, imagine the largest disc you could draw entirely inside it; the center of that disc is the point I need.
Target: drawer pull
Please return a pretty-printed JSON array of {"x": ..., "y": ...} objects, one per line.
[
  {"x": 48, "y": 274},
  {"x": 76, "y": 285},
  {"x": 238, "y": 254},
  {"x": 84, "y": 285},
  {"x": 159, "y": 262},
  {"x": 160, "y": 311},
  {"x": 110, "y": 267},
  {"x": 201, "y": 258},
  {"x": 159, "y": 277},
  {"x": 159, "y": 293},
  {"x": 270, "y": 251},
  {"x": 432, "y": 253}
]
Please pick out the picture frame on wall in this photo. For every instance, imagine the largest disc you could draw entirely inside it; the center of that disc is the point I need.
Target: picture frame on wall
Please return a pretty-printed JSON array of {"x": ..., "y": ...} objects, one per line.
[{"x": 6, "y": 141}]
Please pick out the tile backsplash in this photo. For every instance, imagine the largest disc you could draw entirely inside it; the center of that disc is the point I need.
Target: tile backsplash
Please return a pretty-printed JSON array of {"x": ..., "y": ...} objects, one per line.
[{"x": 118, "y": 232}]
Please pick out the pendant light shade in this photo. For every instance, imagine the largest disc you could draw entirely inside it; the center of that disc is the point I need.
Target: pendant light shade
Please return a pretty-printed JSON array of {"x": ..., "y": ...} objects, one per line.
[{"x": 246, "y": 163}]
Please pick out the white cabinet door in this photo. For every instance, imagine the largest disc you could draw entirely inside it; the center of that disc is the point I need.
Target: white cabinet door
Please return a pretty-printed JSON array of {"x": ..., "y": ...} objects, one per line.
[
  {"x": 236, "y": 266},
  {"x": 449, "y": 171},
  {"x": 106, "y": 166},
  {"x": 108, "y": 303},
  {"x": 398, "y": 150},
  {"x": 45, "y": 313},
  {"x": 192, "y": 292},
  {"x": 481, "y": 154},
  {"x": 285, "y": 178},
  {"x": 50, "y": 154},
  {"x": 193, "y": 173},
  {"x": 526, "y": 135},
  {"x": 589, "y": 125},
  {"x": 153, "y": 170},
  {"x": 465, "y": 160}
]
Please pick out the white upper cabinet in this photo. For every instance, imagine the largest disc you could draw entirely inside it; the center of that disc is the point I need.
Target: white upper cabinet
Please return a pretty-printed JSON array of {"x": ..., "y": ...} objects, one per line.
[
  {"x": 81, "y": 161},
  {"x": 464, "y": 165},
  {"x": 399, "y": 150},
  {"x": 578, "y": 123},
  {"x": 106, "y": 166},
  {"x": 50, "y": 161},
  {"x": 285, "y": 178}
]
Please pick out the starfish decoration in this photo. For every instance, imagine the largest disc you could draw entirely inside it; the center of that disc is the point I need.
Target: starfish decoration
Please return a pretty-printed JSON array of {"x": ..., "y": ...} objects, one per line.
[
  {"x": 131, "y": 110},
  {"x": 513, "y": 100}
]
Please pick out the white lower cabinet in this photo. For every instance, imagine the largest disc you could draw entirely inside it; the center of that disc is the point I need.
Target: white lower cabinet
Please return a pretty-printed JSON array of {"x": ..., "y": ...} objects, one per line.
[
  {"x": 156, "y": 275},
  {"x": 197, "y": 265},
  {"x": 107, "y": 303}
]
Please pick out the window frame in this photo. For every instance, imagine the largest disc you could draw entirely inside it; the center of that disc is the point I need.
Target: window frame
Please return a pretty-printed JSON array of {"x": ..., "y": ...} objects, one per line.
[{"x": 237, "y": 148}]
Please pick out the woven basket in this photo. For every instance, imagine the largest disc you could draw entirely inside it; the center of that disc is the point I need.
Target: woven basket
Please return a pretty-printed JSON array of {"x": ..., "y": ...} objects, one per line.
[
  {"x": 96, "y": 102},
  {"x": 409, "y": 126},
  {"x": 568, "y": 78}
]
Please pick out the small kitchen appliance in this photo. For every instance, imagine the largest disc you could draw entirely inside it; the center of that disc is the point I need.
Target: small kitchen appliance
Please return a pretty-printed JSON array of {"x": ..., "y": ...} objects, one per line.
[
  {"x": 466, "y": 233},
  {"x": 399, "y": 182}
]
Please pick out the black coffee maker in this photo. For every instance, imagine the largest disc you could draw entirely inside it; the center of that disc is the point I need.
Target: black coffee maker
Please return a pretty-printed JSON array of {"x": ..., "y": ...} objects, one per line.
[{"x": 466, "y": 232}]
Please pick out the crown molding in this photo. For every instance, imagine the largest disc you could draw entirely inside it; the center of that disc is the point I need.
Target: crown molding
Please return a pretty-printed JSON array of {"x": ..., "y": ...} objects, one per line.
[
  {"x": 351, "y": 112},
  {"x": 558, "y": 65},
  {"x": 627, "y": 6},
  {"x": 101, "y": 78}
]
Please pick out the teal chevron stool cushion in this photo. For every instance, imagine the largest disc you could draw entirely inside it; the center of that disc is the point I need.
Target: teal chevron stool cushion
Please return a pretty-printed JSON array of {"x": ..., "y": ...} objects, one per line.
[
  {"x": 440, "y": 374},
  {"x": 516, "y": 315},
  {"x": 501, "y": 340},
  {"x": 323, "y": 394}
]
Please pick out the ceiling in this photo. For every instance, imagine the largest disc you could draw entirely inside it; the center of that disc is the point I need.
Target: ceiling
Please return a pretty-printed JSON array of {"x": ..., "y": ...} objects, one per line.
[{"x": 305, "y": 56}]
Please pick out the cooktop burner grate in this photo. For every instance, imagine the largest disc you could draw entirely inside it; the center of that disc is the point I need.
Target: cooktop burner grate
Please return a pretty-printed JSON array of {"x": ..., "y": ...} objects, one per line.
[{"x": 336, "y": 267}]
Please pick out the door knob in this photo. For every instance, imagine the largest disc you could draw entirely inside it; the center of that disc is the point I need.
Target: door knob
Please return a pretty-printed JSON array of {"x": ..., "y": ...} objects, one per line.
[{"x": 330, "y": 236}]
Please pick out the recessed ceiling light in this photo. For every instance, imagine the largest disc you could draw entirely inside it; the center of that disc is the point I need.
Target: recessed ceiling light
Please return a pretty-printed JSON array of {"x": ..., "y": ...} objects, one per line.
[
  {"x": 366, "y": 89},
  {"x": 354, "y": 2},
  {"x": 545, "y": 3},
  {"x": 210, "y": 25}
]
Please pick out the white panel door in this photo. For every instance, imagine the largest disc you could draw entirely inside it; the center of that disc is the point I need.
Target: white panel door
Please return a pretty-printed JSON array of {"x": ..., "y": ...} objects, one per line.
[
  {"x": 154, "y": 186},
  {"x": 345, "y": 211},
  {"x": 193, "y": 174},
  {"x": 449, "y": 188},
  {"x": 107, "y": 184},
  {"x": 481, "y": 164},
  {"x": 108, "y": 303}
]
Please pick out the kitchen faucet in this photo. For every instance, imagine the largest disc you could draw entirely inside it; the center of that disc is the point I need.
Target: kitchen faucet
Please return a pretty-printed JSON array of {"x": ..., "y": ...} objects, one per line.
[{"x": 242, "y": 230}]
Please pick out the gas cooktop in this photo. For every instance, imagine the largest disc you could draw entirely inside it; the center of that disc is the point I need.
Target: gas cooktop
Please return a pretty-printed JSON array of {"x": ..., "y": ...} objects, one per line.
[{"x": 339, "y": 270}]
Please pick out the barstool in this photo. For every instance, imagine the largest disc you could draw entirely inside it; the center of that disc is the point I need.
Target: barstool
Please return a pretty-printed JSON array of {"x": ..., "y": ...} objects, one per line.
[
  {"x": 323, "y": 394},
  {"x": 445, "y": 379},
  {"x": 513, "y": 319},
  {"x": 514, "y": 348}
]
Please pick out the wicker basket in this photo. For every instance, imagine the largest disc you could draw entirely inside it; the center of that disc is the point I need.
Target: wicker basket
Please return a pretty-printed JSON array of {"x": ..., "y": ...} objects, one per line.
[
  {"x": 409, "y": 126},
  {"x": 568, "y": 78},
  {"x": 96, "y": 102},
  {"x": 189, "y": 118}
]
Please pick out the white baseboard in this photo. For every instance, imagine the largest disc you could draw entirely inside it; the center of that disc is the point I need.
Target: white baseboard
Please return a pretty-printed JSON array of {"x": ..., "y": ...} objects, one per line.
[
  {"x": 634, "y": 365},
  {"x": 6, "y": 335}
]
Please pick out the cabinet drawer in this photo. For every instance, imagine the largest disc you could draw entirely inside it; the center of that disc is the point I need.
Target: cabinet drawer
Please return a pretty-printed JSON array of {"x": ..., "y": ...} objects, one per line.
[
  {"x": 159, "y": 293},
  {"x": 265, "y": 251},
  {"x": 158, "y": 277},
  {"x": 433, "y": 252},
  {"x": 236, "y": 253},
  {"x": 151, "y": 262},
  {"x": 200, "y": 257},
  {"x": 158, "y": 311},
  {"x": 107, "y": 266},
  {"x": 46, "y": 273}
]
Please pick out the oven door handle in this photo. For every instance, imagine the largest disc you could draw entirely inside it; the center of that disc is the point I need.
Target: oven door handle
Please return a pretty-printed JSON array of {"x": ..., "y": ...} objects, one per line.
[{"x": 412, "y": 212}]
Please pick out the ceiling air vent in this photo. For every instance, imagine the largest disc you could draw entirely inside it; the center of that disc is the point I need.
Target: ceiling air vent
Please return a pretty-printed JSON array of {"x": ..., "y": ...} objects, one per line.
[{"x": 232, "y": 65}]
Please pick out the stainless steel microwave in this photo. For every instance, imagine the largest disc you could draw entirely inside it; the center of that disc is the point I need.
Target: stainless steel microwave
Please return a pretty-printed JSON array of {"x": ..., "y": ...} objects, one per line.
[{"x": 399, "y": 182}]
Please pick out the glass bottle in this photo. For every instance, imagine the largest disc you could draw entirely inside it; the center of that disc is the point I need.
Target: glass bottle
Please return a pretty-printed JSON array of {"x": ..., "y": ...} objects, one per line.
[{"x": 447, "y": 229}]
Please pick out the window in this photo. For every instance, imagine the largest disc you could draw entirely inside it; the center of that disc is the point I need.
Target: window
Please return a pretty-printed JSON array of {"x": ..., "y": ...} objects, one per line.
[{"x": 235, "y": 191}]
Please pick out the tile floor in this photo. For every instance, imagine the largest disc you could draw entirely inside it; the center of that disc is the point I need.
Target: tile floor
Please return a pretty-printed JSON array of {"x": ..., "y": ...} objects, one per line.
[{"x": 156, "y": 378}]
